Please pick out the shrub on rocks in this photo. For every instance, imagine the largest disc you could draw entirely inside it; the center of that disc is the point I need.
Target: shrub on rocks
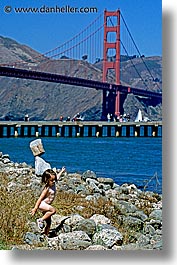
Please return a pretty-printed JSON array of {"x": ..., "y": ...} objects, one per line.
[{"x": 93, "y": 213}]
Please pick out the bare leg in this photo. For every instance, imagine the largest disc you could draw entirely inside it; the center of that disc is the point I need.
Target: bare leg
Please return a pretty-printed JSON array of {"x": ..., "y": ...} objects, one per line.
[
  {"x": 47, "y": 228},
  {"x": 47, "y": 210},
  {"x": 49, "y": 213}
]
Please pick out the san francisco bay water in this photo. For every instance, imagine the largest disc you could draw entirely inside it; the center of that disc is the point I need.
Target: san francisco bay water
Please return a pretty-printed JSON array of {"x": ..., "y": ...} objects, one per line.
[{"x": 126, "y": 160}]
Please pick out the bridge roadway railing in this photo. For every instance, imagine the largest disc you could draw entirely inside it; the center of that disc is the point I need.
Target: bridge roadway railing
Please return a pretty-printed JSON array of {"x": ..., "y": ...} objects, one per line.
[{"x": 79, "y": 129}]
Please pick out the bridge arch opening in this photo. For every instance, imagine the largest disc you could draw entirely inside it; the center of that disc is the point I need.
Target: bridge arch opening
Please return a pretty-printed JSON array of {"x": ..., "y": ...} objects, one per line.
[
  {"x": 111, "y": 37},
  {"x": 111, "y": 20},
  {"x": 111, "y": 55}
]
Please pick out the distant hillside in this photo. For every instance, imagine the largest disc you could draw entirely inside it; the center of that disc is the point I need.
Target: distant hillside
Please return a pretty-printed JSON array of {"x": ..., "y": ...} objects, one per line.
[
  {"x": 47, "y": 101},
  {"x": 144, "y": 72}
]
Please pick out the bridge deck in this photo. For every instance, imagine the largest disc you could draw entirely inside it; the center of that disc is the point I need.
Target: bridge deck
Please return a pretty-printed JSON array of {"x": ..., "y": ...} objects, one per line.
[
  {"x": 79, "y": 129},
  {"x": 56, "y": 78}
]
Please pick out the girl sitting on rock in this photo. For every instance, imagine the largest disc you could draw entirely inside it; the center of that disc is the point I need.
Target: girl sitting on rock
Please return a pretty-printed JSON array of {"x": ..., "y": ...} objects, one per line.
[{"x": 47, "y": 196}]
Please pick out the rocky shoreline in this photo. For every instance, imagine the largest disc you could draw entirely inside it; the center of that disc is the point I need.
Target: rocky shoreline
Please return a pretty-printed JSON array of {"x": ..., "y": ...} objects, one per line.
[{"x": 137, "y": 213}]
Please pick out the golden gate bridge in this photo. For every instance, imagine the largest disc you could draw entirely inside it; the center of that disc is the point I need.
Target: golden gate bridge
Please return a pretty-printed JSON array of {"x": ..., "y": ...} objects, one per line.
[{"x": 102, "y": 43}]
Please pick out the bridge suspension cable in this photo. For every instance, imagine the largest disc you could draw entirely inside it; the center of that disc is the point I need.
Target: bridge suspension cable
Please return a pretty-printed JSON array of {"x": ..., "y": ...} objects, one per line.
[
  {"x": 86, "y": 46},
  {"x": 139, "y": 53},
  {"x": 87, "y": 43},
  {"x": 134, "y": 66}
]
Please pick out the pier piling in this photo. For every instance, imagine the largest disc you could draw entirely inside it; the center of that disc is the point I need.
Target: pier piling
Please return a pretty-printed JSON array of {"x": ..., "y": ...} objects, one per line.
[{"x": 80, "y": 129}]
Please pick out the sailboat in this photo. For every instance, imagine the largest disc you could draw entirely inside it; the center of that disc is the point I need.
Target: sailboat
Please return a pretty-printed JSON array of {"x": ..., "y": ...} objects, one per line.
[{"x": 139, "y": 116}]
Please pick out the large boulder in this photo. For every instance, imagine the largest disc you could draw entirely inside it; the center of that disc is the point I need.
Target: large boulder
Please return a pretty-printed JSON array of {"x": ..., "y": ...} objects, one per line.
[{"x": 76, "y": 240}]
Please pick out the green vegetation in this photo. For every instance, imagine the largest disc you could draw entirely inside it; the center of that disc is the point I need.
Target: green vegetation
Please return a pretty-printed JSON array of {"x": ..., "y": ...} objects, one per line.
[
  {"x": 16, "y": 205},
  {"x": 14, "y": 213},
  {"x": 3, "y": 246}
]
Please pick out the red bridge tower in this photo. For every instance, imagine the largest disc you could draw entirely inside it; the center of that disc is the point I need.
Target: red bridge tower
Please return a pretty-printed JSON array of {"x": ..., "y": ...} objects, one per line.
[{"x": 113, "y": 62}]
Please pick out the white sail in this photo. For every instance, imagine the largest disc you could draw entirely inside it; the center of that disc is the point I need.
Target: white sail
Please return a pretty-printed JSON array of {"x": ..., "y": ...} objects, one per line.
[{"x": 139, "y": 116}]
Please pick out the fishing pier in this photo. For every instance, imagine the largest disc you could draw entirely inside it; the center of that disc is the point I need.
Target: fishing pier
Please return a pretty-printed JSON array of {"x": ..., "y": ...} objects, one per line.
[{"x": 79, "y": 129}]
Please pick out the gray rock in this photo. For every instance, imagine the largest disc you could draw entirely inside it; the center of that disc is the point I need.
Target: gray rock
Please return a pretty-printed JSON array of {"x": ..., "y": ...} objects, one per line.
[
  {"x": 100, "y": 219},
  {"x": 81, "y": 189},
  {"x": 33, "y": 239},
  {"x": 105, "y": 187},
  {"x": 74, "y": 219},
  {"x": 92, "y": 186},
  {"x": 76, "y": 240},
  {"x": 96, "y": 247},
  {"x": 101, "y": 227},
  {"x": 106, "y": 181},
  {"x": 5, "y": 156},
  {"x": 6, "y": 160},
  {"x": 108, "y": 238},
  {"x": 89, "y": 174},
  {"x": 129, "y": 207},
  {"x": 125, "y": 207},
  {"x": 53, "y": 243},
  {"x": 143, "y": 240},
  {"x": 156, "y": 214},
  {"x": 86, "y": 225},
  {"x": 134, "y": 223},
  {"x": 149, "y": 229},
  {"x": 140, "y": 214}
]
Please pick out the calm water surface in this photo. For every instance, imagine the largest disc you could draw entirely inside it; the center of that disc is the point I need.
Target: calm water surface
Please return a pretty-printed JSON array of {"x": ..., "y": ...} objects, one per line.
[{"x": 132, "y": 160}]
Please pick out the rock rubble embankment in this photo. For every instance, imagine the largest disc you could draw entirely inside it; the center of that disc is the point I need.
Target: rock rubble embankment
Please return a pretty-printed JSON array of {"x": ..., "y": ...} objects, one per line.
[{"x": 138, "y": 213}]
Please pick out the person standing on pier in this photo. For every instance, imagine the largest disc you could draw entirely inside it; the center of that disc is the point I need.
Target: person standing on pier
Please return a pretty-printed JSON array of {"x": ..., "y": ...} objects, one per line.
[{"x": 109, "y": 117}]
